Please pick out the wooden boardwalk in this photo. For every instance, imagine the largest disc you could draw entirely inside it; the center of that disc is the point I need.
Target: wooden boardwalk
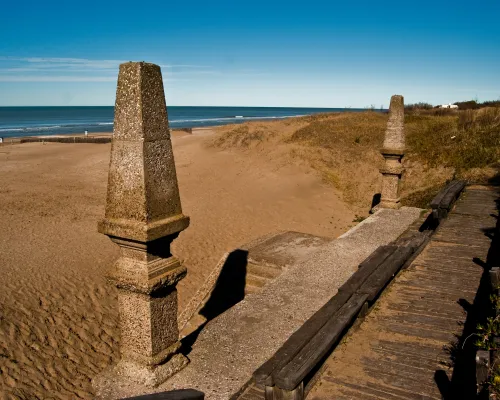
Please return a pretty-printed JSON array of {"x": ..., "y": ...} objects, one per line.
[{"x": 411, "y": 346}]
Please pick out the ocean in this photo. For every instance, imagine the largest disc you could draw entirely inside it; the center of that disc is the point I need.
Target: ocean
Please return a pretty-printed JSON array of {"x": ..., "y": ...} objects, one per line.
[{"x": 32, "y": 121}]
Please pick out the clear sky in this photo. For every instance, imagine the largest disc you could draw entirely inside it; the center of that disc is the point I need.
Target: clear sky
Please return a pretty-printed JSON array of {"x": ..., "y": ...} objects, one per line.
[{"x": 253, "y": 53}]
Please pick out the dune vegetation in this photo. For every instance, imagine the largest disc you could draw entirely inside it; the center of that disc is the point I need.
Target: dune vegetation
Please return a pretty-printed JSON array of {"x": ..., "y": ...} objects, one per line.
[{"x": 344, "y": 149}]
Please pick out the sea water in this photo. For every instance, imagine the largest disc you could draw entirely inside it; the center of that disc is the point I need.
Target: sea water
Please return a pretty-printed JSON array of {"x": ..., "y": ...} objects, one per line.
[{"x": 32, "y": 121}]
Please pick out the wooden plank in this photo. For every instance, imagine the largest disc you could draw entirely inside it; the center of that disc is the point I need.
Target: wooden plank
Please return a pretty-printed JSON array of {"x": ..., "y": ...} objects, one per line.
[
  {"x": 406, "y": 365},
  {"x": 431, "y": 363},
  {"x": 263, "y": 375},
  {"x": 367, "y": 267},
  {"x": 353, "y": 394},
  {"x": 429, "y": 309},
  {"x": 446, "y": 195},
  {"x": 478, "y": 202},
  {"x": 379, "y": 279},
  {"x": 298, "y": 368},
  {"x": 452, "y": 194},
  {"x": 405, "y": 382},
  {"x": 482, "y": 366},
  {"x": 434, "y": 204},
  {"x": 382, "y": 391},
  {"x": 418, "y": 332},
  {"x": 182, "y": 394},
  {"x": 417, "y": 240},
  {"x": 411, "y": 348}
]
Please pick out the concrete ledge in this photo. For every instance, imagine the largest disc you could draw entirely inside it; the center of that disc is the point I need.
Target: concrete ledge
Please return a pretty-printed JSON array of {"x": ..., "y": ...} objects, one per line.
[{"x": 233, "y": 345}]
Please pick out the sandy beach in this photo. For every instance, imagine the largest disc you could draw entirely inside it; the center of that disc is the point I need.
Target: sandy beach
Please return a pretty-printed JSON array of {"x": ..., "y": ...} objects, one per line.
[{"x": 58, "y": 318}]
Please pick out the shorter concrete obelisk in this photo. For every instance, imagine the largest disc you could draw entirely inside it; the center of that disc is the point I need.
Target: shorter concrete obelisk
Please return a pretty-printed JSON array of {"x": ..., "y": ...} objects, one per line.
[
  {"x": 143, "y": 216},
  {"x": 393, "y": 152}
]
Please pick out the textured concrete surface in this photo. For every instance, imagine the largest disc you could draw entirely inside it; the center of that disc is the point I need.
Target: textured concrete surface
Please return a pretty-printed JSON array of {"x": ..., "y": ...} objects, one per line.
[
  {"x": 393, "y": 152},
  {"x": 283, "y": 249},
  {"x": 143, "y": 200},
  {"x": 143, "y": 216},
  {"x": 394, "y": 135},
  {"x": 237, "y": 342},
  {"x": 266, "y": 257}
]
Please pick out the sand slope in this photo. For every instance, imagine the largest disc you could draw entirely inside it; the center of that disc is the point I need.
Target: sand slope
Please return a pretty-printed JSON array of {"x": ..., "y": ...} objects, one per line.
[{"x": 58, "y": 317}]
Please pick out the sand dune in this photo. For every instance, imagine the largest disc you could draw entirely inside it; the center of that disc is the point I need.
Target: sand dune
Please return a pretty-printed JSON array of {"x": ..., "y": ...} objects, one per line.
[{"x": 58, "y": 317}]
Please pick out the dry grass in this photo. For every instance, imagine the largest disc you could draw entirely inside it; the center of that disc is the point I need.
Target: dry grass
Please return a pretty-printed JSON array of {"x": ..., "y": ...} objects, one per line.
[
  {"x": 240, "y": 136},
  {"x": 344, "y": 149},
  {"x": 469, "y": 139}
]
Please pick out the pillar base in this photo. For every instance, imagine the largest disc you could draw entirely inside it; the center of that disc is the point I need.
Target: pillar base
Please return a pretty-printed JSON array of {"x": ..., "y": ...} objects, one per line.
[
  {"x": 392, "y": 204},
  {"x": 128, "y": 378}
]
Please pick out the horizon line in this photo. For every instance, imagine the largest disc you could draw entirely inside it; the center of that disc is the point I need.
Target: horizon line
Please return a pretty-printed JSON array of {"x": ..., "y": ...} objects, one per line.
[{"x": 345, "y": 107}]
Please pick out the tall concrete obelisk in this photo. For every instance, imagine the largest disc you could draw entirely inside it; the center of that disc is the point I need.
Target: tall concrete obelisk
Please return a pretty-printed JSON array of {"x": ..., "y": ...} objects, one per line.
[
  {"x": 143, "y": 216},
  {"x": 393, "y": 151}
]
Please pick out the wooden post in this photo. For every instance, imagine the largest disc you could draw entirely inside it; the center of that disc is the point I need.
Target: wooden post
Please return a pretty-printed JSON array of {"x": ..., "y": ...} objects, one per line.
[
  {"x": 482, "y": 367},
  {"x": 295, "y": 394}
]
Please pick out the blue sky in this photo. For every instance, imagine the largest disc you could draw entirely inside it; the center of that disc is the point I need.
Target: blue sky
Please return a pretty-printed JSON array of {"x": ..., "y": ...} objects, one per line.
[{"x": 253, "y": 53}]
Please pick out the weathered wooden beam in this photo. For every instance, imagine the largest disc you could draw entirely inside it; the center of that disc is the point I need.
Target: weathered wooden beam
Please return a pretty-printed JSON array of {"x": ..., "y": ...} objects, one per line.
[
  {"x": 300, "y": 366},
  {"x": 452, "y": 194},
  {"x": 367, "y": 267},
  {"x": 434, "y": 204},
  {"x": 445, "y": 199},
  {"x": 181, "y": 394},
  {"x": 379, "y": 279}
]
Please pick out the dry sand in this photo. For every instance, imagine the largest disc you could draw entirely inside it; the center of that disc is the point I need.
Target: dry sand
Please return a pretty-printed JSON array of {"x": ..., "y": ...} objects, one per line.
[{"x": 58, "y": 317}]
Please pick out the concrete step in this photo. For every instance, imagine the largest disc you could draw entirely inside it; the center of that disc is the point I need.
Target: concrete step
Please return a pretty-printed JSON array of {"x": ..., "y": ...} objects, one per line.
[
  {"x": 255, "y": 280},
  {"x": 251, "y": 289},
  {"x": 283, "y": 249},
  {"x": 265, "y": 271}
]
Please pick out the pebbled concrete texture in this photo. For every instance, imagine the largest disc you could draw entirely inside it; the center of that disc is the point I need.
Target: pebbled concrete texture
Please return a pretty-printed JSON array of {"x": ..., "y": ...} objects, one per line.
[
  {"x": 284, "y": 248},
  {"x": 395, "y": 133},
  {"x": 278, "y": 250},
  {"x": 143, "y": 215},
  {"x": 393, "y": 152},
  {"x": 233, "y": 345}
]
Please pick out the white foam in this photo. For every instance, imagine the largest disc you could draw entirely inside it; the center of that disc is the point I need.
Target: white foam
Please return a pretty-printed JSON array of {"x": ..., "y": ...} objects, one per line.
[
  {"x": 231, "y": 118},
  {"x": 11, "y": 129}
]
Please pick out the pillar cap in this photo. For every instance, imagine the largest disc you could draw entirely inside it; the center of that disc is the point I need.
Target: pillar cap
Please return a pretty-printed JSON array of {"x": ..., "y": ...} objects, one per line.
[
  {"x": 142, "y": 231},
  {"x": 143, "y": 202}
]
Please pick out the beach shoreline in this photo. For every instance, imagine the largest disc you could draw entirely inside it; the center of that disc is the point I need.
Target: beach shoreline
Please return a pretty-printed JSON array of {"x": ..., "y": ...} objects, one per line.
[
  {"x": 35, "y": 121},
  {"x": 106, "y": 136}
]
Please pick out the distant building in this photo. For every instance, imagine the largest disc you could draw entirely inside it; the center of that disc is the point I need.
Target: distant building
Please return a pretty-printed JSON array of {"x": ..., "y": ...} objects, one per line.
[{"x": 448, "y": 106}]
